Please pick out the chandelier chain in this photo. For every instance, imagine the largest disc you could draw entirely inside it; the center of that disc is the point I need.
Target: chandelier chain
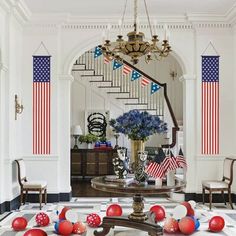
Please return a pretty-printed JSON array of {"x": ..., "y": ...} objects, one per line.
[
  {"x": 123, "y": 15},
  {"x": 149, "y": 23},
  {"x": 135, "y": 14}
]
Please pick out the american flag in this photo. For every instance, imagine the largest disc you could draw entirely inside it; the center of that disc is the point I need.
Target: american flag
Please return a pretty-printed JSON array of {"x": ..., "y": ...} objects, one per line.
[
  {"x": 126, "y": 69},
  {"x": 169, "y": 163},
  {"x": 181, "y": 159},
  {"x": 155, "y": 170},
  {"x": 210, "y": 105},
  {"x": 41, "y": 105},
  {"x": 144, "y": 81}
]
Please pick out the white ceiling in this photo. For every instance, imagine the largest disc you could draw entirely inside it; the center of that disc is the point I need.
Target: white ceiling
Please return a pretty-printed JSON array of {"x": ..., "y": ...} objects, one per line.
[{"x": 108, "y": 8}]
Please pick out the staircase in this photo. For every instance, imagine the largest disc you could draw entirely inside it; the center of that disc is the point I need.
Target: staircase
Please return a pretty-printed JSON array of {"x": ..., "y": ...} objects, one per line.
[{"x": 100, "y": 73}]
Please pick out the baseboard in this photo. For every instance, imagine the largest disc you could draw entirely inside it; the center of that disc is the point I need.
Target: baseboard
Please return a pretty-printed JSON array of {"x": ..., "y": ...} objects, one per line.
[
  {"x": 216, "y": 197},
  {"x": 34, "y": 198}
]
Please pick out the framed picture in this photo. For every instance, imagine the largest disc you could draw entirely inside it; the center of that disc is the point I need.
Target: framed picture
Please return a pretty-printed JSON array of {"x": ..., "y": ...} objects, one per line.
[{"x": 97, "y": 122}]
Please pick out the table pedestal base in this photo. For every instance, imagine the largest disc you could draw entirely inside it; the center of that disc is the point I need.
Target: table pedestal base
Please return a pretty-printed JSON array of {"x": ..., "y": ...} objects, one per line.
[{"x": 136, "y": 220}]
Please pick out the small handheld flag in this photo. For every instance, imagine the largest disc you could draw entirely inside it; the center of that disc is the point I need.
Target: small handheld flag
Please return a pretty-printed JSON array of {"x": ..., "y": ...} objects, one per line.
[
  {"x": 106, "y": 60},
  {"x": 154, "y": 87},
  {"x": 135, "y": 75},
  {"x": 97, "y": 52},
  {"x": 181, "y": 159}
]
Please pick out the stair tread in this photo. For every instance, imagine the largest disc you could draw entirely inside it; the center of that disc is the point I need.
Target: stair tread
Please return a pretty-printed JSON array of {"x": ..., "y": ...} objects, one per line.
[
  {"x": 93, "y": 81},
  {"x": 90, "y": 75},
  {"x": 108, "y": 86},
  {"x": 127, "y": 98},
  {"x": 136, "y": 103}
]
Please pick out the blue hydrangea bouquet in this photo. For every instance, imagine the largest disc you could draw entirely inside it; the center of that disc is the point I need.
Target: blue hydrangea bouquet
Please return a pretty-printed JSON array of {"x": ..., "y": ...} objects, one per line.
[{"x": 138, "y": 125}]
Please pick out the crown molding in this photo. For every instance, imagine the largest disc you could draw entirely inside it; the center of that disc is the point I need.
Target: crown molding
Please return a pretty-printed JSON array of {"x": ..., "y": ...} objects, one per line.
[{"x": 18, "y": 9}]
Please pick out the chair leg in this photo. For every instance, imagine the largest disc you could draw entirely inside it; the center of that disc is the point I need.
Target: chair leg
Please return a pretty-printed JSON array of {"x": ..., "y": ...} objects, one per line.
[
  {"x": 40, "y": 199},
  {"x": 223, "y": 195},
  {"x": 26, "y": 196},
  {"x": 210, "y": 198},
  {"x": 21, "y": 196},
  {"x": 230, "y": 199},
  {"x": 203, "y": 195},
  {"x": 45, "y": 196}
]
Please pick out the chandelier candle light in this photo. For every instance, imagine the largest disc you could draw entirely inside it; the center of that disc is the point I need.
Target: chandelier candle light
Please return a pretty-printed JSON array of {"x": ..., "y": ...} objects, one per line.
[{"x": 136, "y": 46}]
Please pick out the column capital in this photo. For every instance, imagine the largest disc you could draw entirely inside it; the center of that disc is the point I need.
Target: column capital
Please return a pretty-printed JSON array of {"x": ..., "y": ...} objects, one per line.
[
  {"x": 186, "y": 77},
  {"x": 69, "y": 78}
]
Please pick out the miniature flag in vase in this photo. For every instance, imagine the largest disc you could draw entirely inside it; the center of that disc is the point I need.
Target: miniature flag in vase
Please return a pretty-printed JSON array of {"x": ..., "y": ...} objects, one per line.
[{"x": 181, "y": 160}]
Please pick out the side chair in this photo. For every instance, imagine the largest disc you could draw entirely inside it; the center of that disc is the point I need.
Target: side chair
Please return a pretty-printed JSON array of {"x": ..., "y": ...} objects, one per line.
[{"x": 26, "y": 186}]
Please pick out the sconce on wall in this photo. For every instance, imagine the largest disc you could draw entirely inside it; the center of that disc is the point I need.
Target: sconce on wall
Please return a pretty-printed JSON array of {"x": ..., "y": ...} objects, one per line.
[
  {"x": 173, "y": 74},
  {"x": 18, "y": 107}
]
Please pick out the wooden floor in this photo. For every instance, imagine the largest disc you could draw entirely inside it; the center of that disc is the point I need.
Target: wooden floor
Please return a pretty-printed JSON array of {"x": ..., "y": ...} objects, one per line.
[{"x": 82, "y": 188}]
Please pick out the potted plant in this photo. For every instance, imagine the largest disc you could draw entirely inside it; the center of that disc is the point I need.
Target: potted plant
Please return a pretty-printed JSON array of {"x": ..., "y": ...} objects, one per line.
[{"x": 89, "y": 139}]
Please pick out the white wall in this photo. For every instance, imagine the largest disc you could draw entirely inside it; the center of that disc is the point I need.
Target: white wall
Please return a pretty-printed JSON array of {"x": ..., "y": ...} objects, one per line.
[
  {"x": 66, "y": 42},
  {"x": 10, "y": 84}
]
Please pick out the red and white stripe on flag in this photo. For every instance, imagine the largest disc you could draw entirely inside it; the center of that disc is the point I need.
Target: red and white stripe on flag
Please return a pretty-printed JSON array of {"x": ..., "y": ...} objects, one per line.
[
  {"x": 41, "y": 105},
  {"x": 210, "y": 105},
  {"x": 126, "y": 69},
  {"x": 155, "y": 170},
  {"x": 181, "y": 161},
  {"x": 144, "y": 81}
]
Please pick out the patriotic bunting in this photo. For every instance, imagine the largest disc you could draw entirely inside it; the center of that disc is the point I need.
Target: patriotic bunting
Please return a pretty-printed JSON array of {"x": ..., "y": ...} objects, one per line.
[
  {"x": 41, "y": 105},
  {"x": 144, "y": 82},
  {"x": 106, "y": 60},
  {"x": 116, "y": 65},
  {"x": 154, "y": 87},
  {"x": 97, "y": 52},
  {"x": 126, "y": 69},
  {"x": 210, "y": 105},
  {"x": 135, "y": 75}
]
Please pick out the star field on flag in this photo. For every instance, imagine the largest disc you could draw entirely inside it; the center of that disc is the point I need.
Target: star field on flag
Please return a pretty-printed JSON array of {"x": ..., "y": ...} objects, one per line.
[
  {"x": 154, "y": 87},
  {"x": 116, "y": 65},
  {"x": 135, "y": 75},
  {"x": 97, "y": 52}
]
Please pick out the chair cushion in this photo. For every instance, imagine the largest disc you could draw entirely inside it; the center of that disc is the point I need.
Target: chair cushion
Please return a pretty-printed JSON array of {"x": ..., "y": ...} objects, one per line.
[
  {"x": 34, "y": 184},
  {"x": 214, "y": 184}
]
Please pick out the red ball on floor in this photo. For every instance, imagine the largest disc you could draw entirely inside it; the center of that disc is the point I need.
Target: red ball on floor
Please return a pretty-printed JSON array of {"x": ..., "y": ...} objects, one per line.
[
  {"x": 35, "y": 232},
  {"x": 19, "y": 223},
  {"x": 114, "y": 210},
  {"x": 159, "y": 212},
  {"x": 216, "y": 223},
  {"x": 187, "y": 225}
]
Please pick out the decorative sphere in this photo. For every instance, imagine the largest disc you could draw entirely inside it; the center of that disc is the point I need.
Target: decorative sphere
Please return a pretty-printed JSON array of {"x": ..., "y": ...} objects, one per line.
[
  {"x": 189, "y": 208},
  {"x": 65, "y": 227},
  {"x": 171, "y": 225},
  {"x": 62, "y": 215},
  {"x": 159, "y": 212},
  {"x": 35, "y": 232},
  {"x": 187, "y": 225},
  {"x": 197, "y": 223},
  {"x": 56, "y": 226},
  {"x": 19, "y": 223},
  {"x": 93, "y": 220},
  {"x": 114, "y": 210},
  {"x": 42, "y": 219},
  {"x": 216, "y": 223},
  {"x": 79, "y": 228}
]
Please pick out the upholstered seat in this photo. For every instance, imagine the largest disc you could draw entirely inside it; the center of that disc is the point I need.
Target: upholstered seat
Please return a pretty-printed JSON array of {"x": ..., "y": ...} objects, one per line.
[
  {"x": 32, "y": 185},
  {"x": 215, "y": 184},
  {"x": 220, "y": 186},
  {"x": 25, "y": 185}
]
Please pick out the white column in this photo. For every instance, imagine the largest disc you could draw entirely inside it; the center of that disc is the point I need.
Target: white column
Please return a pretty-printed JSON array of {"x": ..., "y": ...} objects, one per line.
[
  {"x": 64, "y": 126},
  {"x": 3, "y": 71},
  {"x": 189, "y": 128}
]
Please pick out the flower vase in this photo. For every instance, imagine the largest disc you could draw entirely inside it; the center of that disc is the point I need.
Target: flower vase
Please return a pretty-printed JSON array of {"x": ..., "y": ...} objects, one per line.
[
  {"x": 90, "y": 145},
  {"x": 136, "y": 146},
  {"x": 158, "y": 182}
]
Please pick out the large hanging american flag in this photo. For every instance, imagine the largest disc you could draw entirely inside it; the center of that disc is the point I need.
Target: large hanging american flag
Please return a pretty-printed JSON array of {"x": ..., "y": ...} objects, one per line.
[
  {"x": 210, "y": 105},
  {"x": 41, "y": 105}
]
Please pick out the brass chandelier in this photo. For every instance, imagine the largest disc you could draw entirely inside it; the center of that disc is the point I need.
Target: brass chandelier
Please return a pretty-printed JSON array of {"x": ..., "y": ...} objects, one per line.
[{"x": 136, "y": 46}]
